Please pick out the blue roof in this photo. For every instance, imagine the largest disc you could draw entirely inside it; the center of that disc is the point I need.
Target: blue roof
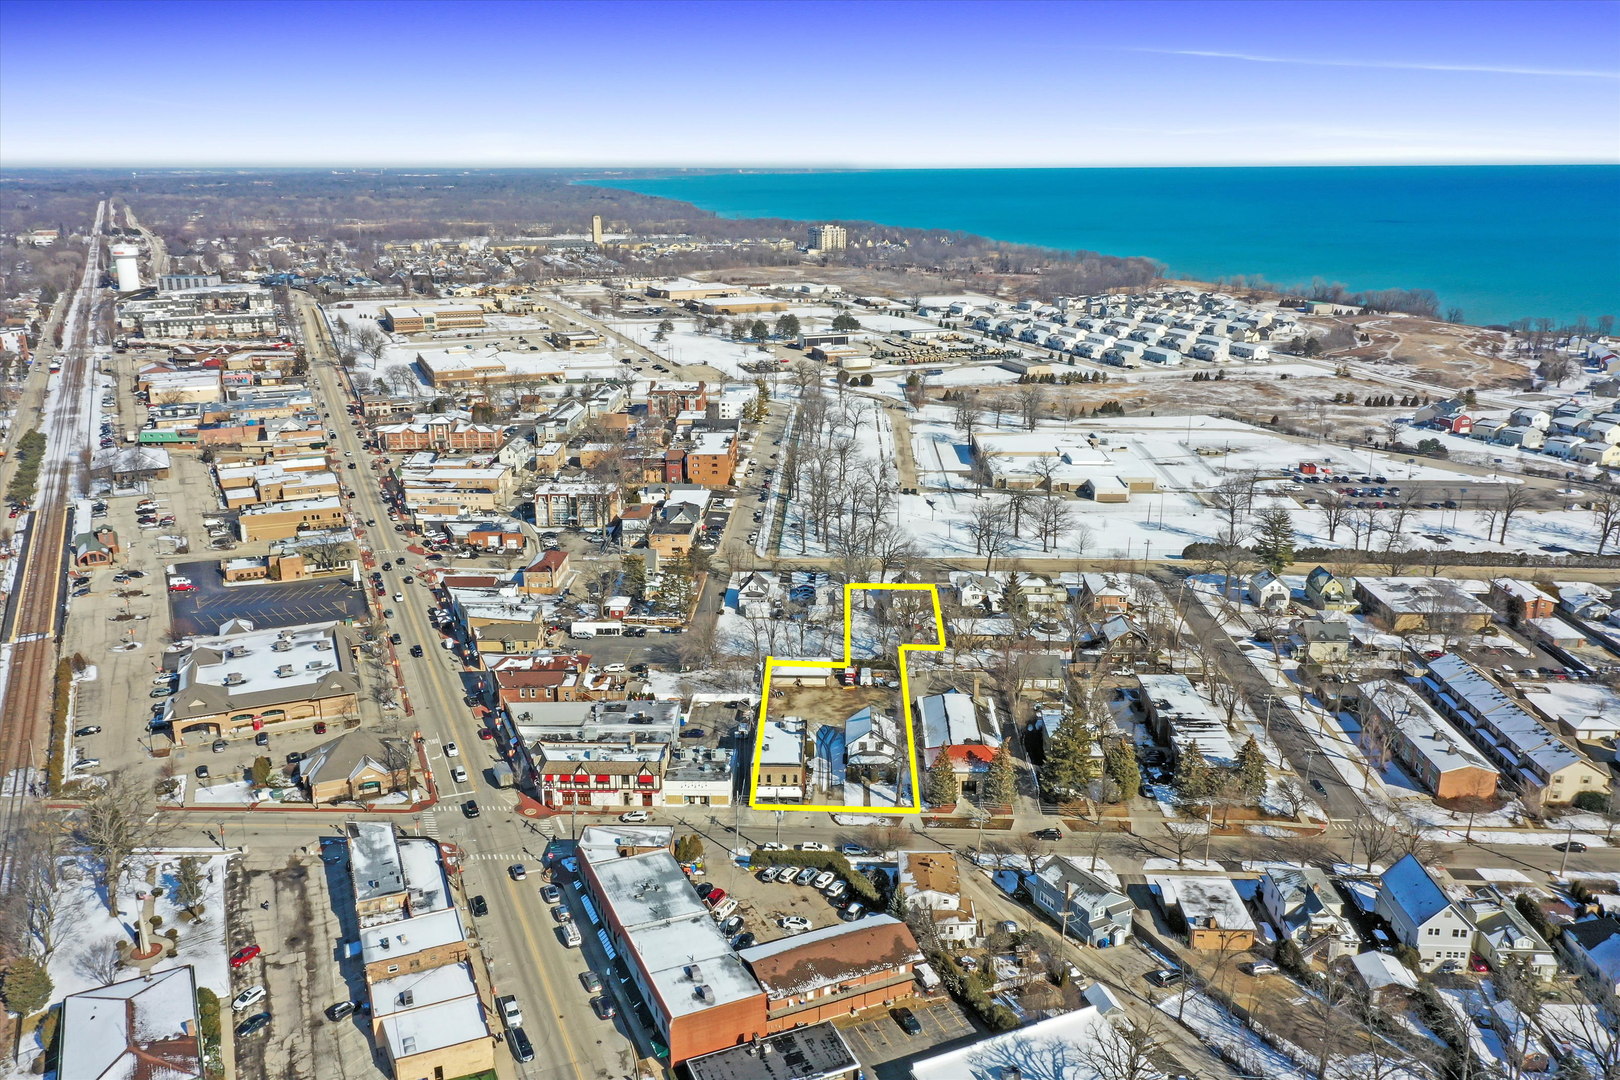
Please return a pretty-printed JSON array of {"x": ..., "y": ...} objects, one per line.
[{"x": 1411, "y": 887}]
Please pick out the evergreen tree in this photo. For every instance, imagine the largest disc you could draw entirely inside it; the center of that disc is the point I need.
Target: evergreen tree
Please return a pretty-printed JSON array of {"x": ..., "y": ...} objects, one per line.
[
  {"x": 188, "y": 892},
  {"x": 845, "y": 321},
  {"x": 1195, "y": 779},
  {"x": 941, "y": 788},
  {"x": 1002, "y": 782},
  {"x": 1120, "y": 762},
  {"x": 675, "y": 586},
  {"x": 1251, "y": 769},
  {"x": 759, "y": 331},
  {"x": 633, "y": 583},
  {"x": 1274, "y": 540},
  {"x": 787, "y": 326},
  {"x": 25, "y": 985},
  {"x": 1069, "y": 766}
]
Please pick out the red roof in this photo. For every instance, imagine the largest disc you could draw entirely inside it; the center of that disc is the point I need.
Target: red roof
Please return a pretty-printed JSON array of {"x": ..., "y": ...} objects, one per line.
[{"x": 970, "y": 755}]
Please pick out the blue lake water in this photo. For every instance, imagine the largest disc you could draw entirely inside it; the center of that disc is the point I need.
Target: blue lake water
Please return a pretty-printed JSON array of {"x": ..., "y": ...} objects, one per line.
[{"x": 1500, "y": 242}]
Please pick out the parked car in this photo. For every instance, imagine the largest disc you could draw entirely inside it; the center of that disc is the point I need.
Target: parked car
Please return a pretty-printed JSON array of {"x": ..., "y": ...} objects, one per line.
[
  {"x": 805, "y": 876},
  {"x": 479, "y": 906},
  {"x": 1165, "y": 977},
  {"x": 1569, "y": 845},
  {"x": 244, "y": 955},
  {"x": 253, "y": 1025},
  {"x": 341, "y": 1010},
  {"x": 1047, "y": 834},
  {"x": 635, "y": 817},
  {"x": 1258, "y": 967},
  {"x": 92, "y": 729},
  {"x": 247, "y": 997},
  {"x": 907, "y": 1020},
  {"x": 823, "y": 879},
  {"x": 551, "y": 894},
  {"x": 604, "y": 1008},
  {"x": 796, "y": 923},
  {"x": 769, "y": 874},
  {"x": 813, "y": 846}
]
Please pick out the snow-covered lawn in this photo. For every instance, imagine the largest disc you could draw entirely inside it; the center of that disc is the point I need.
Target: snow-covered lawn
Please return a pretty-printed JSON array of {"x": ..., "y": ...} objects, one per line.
[{"x": 86, "y": 932}]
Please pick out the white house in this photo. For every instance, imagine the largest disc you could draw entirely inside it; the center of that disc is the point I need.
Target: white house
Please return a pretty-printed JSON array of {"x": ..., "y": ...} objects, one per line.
[
  {"x": 1502, "y": 934},
  {"x": 1268, "y": 592},
  {"x": 1421, "y": 916}
]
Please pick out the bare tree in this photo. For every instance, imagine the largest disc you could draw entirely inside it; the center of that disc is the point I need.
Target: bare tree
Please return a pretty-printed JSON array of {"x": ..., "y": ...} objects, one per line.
[
  {"x": 1031, "y": 400},
  {"x": 1183, "y": 835},
  {"x": 1126, "y": 1053},
  {"x": 1605, "y": 510},
  {"x": 113, "y": 823},
  {"x": 1335, "y": 510},
  {"x": 1513, "y": 499}
]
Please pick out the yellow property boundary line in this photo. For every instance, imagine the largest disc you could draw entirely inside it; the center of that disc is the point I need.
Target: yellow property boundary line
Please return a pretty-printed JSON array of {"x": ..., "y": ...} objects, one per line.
[{"x": 772, "y": 662}]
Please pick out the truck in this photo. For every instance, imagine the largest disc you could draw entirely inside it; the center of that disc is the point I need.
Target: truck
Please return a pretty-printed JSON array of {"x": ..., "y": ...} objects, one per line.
[
  {"x": 511, "y": 1011},
  {"x": 501, "y": 774},
  {"x": 130, "y": 435}
]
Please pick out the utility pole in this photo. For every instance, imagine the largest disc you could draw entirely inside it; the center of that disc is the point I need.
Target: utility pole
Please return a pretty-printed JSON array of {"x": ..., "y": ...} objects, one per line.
[{"x": 1569, "y": 838}]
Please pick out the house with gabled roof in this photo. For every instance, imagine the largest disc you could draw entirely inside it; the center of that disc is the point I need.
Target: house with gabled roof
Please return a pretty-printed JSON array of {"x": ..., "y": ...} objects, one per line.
[
  {"x": 1082, "y": 904},
  {"x": 1325, "y": 591},
  {"x": 1268, "y": 592},
  {"x": 1303, "y": 905},
  {"x": 1593, "y": 949},
  {"x": 145, "y": 1027},
  {"x": 1422, "y": 916}
]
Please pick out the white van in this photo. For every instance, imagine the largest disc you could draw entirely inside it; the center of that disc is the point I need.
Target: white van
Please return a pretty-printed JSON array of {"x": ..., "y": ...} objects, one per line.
[
  {"x": 724, "y": 909},
  {"x": 570, "y": 935}
]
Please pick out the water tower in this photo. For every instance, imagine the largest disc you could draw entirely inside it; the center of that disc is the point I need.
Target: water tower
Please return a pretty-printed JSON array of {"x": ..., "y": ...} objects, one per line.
[{"x": 125, "y": 263}]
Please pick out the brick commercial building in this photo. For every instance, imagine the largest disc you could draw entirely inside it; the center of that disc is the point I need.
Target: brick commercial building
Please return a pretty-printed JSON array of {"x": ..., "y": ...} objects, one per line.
[
  {"x": 440, "y": 431},
  {"x": 601, "y": 774},
  {"x": 239, "y": 683},
  {"x": 834, "y": 972},
  {"x": 427, "y": 320},
  {"x": 278, "y": 521},
  {"x": 700, "y": 996}
]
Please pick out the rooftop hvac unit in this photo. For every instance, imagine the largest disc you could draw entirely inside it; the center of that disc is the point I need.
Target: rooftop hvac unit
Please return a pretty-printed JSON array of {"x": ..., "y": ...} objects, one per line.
[
  {"x": 284, "y": 671},
  {"x": 323, "y": 646},
  {"x": 235, "y": 651},
  {"x": 281, "y": 645},
  {"x": 705, "y": 994},
  {"x": 315, "y": 665},
  {"x": 234, "y": 678},
  {"x": 694, "y": 972}
]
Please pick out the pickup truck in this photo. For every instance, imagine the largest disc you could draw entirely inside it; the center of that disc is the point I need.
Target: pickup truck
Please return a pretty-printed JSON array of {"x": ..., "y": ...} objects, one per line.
[{"x": 511, "y": 1011}]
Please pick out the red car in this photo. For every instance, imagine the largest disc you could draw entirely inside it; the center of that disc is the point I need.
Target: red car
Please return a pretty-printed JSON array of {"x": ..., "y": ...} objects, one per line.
[
  {"x": 182, "y": 588},
  {"x": 714, "y": 897},
  {"x": 1476, "y": 965},
  {"x": 242, "y": 956},
  {"x": 485, "y": 734}
]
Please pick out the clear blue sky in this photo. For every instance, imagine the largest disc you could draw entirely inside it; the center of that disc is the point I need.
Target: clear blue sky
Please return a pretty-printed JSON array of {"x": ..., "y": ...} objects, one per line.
[{"x": 818, "y": 84}]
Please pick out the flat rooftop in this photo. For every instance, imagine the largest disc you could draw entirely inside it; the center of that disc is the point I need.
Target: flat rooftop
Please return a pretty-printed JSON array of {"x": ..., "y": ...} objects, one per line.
[{"x": 807, "y": 1053}]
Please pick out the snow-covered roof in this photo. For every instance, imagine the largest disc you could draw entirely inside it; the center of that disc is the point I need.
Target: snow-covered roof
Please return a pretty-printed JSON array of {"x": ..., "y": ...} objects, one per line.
[
  {"x": 1427, "y": 732},
  {"x": 795, "y": 965},
  {"x": 951, "y": 719},
  {"x": 425, "y": 883},
  {"x": 141, "y": 1028},
  {"x": 667, "y": 927},
  {"x": 783, "y": 742},
  {"x": 1408, "y": 885},
  {"x": 374, "y": 862},
  {"x": 1378, "y": 970},
  {"x": 407, "y": 936},
  {"x": 1206, "y": 901},
  {"x": 1524, "y": 735},
  {"x": 1060, "y": 1048}
]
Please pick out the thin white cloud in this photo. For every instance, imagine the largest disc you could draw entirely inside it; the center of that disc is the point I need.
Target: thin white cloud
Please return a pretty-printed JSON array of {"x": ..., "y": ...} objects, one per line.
[{"x": 1490, "y": 69}]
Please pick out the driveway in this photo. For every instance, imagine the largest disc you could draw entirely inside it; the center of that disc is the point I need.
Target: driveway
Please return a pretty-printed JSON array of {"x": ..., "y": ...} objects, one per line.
[{"x": 268, "y": 605}]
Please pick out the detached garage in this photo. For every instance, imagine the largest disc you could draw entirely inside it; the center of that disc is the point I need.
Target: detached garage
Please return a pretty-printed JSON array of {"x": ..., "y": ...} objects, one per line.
[{"x": 1105, "y": 489}]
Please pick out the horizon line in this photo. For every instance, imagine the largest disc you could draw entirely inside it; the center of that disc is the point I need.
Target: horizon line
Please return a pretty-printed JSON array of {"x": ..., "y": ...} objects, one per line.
[{"x": 776, "y": 167}]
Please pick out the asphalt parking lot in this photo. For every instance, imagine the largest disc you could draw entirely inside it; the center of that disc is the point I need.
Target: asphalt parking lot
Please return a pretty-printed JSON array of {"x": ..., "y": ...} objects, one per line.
[
  {"x": 266, "y": 604},
  {"x": 886, "y": 1051}
]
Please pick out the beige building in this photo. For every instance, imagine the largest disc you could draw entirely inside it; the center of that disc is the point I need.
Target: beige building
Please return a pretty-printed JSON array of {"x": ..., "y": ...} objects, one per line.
[
  {"x": 243, "y": 681},
  {"x": 356, "y": 767},
  {"x": 427, "y": 320},
  {"x": 278, "y": 521},
  {"x": 433, "y": 1024}
]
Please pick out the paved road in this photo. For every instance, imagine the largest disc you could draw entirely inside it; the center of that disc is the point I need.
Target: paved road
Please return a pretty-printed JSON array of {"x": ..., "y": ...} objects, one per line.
[{"x": 520, "y": 951}]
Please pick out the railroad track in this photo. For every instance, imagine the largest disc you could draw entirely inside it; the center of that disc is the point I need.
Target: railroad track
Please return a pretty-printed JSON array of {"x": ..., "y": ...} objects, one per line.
[{"x": 36, "y": 602}]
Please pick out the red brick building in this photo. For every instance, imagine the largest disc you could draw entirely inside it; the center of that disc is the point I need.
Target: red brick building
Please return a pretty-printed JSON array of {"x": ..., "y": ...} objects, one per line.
[
  {"x": 440, "y": 431},
  {"x": 665, "y": 399},
  {"x": 833, "y": 972}
]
